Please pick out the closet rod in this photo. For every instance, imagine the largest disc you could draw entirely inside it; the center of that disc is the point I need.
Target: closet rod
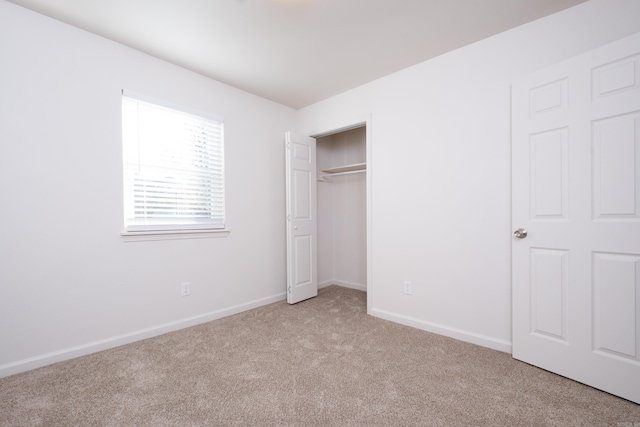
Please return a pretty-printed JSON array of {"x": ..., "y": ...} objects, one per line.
[{"x": 343, "y": 173}]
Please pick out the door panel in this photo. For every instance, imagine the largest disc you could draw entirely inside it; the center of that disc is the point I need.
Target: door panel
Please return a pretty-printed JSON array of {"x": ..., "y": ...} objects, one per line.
[
  {"x": 576, "y": 190},
  {"x": 303, "y": 262},
  {"x": 549, "y": 283},
  {"x": 302, "y": 280},
  {"x": 616, "y": 77},
  {"x": 615, "y": 158},
  {"x": 302, "y": 192},
  {"x": 549, "y": 169},
  {"x": 616, "y": 294}
]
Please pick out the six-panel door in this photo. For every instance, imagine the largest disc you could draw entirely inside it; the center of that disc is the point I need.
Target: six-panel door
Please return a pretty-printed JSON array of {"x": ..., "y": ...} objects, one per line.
[
  {"x": 576, "y": 190},
  {"x": 302, "y": 282}
]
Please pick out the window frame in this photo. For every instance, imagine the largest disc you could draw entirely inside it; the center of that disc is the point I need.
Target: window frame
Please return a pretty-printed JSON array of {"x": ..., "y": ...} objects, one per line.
[{"x": 152, "y": 225}]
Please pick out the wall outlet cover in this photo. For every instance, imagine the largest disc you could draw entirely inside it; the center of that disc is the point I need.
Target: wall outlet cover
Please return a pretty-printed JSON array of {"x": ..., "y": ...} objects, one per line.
[
  {"x": 185, "y": 289},
  {"x": 407, "y": 288}
]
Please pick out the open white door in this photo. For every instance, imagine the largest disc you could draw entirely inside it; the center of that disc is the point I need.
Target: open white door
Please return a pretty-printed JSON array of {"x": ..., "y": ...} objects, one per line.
[
  {"x": 576, "y": 192},
  {"x": 302, "y": 223}
]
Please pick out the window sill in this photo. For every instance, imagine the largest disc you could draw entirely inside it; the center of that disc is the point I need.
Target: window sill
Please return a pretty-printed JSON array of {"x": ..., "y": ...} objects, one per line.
[{"x": 144, "y": 236}]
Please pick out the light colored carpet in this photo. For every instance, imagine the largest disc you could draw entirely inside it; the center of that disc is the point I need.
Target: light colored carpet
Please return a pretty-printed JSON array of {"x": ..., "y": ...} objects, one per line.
[{"x": 322, "y": 362}]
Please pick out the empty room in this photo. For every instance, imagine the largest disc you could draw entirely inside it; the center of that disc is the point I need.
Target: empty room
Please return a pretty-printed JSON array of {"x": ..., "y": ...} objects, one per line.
[{"x": 320, "y": 212}]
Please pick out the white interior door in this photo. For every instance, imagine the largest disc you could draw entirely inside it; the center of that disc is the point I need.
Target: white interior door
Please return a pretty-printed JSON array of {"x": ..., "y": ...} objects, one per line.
[
  {"x": 302, "y": 223},
  {"x": 576, "y": 192}
]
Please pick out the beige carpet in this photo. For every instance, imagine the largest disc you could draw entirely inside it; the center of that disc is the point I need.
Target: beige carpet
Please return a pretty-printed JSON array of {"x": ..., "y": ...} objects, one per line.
[{"x": 322, "y": 362}]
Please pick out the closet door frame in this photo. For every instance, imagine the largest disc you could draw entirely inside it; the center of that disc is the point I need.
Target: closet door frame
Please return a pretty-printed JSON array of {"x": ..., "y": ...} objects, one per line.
[{"x": 342, "y": 127}]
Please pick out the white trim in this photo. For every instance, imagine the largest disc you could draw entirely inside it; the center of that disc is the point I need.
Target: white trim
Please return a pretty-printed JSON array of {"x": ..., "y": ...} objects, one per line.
[
  {"x": 369, "y": 185},
  {"x": 105, "y": 344},
  {"x": 344, "y": 284},
  {"x": 325, "y": 284},
  {"x": 459, "y": 334},
  {"x": 341, "y": 127},
  {"x": 144, "y": 236}
]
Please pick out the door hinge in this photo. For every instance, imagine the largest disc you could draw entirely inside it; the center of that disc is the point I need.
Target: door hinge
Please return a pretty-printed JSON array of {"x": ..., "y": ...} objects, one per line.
[
  {"x": 289, "y": 218},
  {"x": 289, "y": 288},
  {"x": 287, "y": 145}
]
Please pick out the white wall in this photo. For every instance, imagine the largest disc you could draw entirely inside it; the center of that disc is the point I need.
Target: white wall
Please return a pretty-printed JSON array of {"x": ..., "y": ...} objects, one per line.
[
  {"x": 68, "y": 283},
  {"x": 440, "y": 165},
  {"x": 325, "y": 215}
]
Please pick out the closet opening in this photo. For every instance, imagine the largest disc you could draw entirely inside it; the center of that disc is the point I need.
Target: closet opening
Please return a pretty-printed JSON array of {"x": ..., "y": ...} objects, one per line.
[{"x": 342, "y": 188}]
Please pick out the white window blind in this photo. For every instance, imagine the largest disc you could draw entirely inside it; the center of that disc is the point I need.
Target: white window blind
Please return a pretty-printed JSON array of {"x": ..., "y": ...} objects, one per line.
[{"x": 173, "y": 167}]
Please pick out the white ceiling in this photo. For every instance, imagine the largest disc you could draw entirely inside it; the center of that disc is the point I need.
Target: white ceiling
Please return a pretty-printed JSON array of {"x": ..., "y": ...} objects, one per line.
[{"x": 296, "y": 52}]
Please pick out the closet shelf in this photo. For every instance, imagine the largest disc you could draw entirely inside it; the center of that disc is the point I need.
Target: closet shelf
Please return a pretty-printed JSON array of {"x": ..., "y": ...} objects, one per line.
[
  {"x": 356, "y": 167},
  {"x": 342, "y": 170}
]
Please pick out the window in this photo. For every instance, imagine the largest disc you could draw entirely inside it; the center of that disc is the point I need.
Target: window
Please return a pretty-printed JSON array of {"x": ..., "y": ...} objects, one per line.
[{"x": 173, "y": 167}]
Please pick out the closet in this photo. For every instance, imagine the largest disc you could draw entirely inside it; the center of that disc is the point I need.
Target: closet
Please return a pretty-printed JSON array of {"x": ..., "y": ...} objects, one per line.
[{"x": 342, "y": 209}]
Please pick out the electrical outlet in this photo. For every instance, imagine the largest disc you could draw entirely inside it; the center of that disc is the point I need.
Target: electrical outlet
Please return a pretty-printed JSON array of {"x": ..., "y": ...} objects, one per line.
[
  {"x": 407, "y": 288},
  {"x": 185, "y": 289}
]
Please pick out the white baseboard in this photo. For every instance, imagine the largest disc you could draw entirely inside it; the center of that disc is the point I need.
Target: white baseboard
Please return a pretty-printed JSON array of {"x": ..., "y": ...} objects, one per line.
[
  {"x": 470, "y": 337},
  {"x": 82, "y": 350},
  {"x": 93, "y": 347},
  {"x": 344, "y": 284},
  {"x": 325, "y": 284}
]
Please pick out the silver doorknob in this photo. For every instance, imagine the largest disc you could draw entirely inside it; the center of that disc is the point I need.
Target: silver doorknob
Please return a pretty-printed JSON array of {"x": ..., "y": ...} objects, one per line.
[{"x": 520, "y": 233}]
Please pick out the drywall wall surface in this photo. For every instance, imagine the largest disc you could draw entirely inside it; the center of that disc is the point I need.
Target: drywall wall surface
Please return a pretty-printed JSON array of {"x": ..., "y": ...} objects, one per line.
[
  {"x": 69, "y": 284},
  {"x": 350, "y": 231},
  {"x": 440, "y": 170},
  {"x": 324, "y": 205}
]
